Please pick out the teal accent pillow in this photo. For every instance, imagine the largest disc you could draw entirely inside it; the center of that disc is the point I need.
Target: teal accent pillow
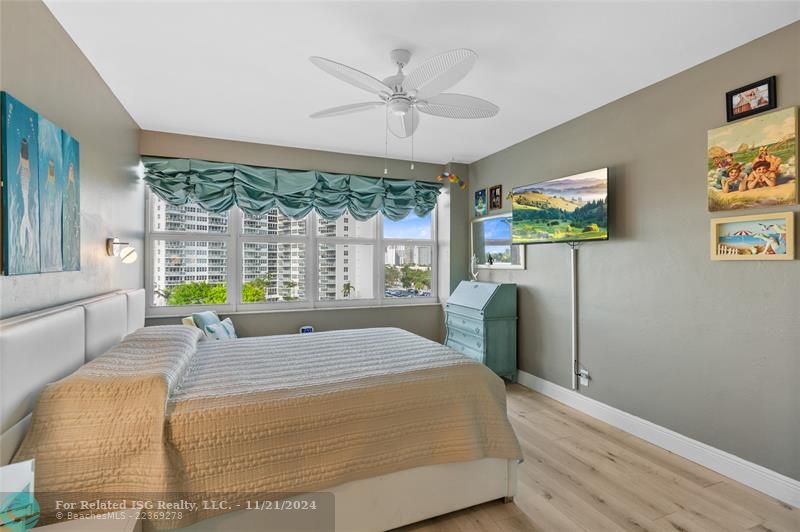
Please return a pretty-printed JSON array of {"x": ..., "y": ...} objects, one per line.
[
  {"x": 221, "y": 331},
  {"x": 204, "y": 319}
]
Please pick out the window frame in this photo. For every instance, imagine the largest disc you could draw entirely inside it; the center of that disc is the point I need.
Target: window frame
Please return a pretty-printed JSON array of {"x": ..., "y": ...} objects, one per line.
[{"x": 234, "y": 239}]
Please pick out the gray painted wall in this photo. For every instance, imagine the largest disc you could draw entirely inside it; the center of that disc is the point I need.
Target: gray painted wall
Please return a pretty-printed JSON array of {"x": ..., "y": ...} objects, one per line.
[
  {"x": 453, "y": 240},
  {"x": 708, "y": 349},
  {"x": 40, "y": 65}
]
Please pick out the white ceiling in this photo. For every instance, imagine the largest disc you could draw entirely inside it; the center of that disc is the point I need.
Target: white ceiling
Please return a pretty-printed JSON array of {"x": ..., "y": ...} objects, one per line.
[{"x": 241, "y": 71}]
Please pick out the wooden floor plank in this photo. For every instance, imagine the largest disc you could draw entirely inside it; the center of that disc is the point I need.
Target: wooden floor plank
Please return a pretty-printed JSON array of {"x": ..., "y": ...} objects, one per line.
[
  {"x": 687, "y": 521},
  {"x": 776, "y": 515},
  {"x": 599, "y": 483},
  {"x": 582, "y": 475}
]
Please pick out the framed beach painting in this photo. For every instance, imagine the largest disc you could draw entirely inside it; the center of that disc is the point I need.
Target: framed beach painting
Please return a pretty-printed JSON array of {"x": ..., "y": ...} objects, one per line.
[
  {"x": 753, "y": 162},
  {"x": 757, "y": 237}
]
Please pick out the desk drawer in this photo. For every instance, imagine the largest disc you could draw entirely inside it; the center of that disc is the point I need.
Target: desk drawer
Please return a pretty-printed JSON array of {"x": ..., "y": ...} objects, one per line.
[
  {"x": 474, "y": 313},
  {"x": 463, "y": 323},
  {"x": 472, "y": 341},
  {"x": 467, "y": 351}
]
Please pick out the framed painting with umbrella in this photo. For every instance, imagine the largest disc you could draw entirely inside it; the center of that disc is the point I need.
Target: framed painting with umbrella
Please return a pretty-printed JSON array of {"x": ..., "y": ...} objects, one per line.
[{"x": 757, "y": 237}]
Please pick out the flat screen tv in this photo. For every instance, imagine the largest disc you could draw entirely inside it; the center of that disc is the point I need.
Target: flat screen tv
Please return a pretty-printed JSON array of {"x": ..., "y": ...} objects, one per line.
[{"x": 569, "y": 209}]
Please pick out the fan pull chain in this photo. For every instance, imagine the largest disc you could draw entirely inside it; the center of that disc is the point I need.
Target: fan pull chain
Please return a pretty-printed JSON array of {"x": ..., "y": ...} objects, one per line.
[
  {"x": 386, "y": 144},
  {"x": 412, "y": 138}
]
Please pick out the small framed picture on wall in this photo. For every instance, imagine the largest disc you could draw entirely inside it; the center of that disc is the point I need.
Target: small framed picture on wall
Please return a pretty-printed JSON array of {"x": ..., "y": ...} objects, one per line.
[
  {"x": 751, "y": 99},
  {"x": 479, "y": 208},
  {"x": 496, "y": 197},
  {"x": 756, "y": 237}
]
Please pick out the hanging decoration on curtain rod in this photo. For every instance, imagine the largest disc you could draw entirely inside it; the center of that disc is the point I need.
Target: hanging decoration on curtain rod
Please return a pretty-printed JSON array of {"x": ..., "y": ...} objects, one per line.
[
  {"x": 216, "y": 187},
  {"x": 451, "y": 176}
]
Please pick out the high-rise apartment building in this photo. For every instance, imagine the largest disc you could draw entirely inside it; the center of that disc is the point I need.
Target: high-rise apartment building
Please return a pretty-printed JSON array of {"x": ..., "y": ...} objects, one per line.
[{"x": 344, "y": 271}]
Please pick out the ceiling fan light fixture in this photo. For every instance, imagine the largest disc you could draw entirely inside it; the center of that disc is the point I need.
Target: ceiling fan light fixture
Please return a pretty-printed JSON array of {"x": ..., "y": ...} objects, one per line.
[{"x": 399, "y": 106}]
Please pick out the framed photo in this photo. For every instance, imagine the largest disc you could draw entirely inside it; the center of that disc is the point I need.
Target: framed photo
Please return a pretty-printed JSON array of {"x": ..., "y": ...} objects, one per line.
[
  {"x": 496, "y": 197},
  {"x": 757, "y": 237},
  {"x": 752, "y": 163},
  {"x": 480, "y": 207},
  {"x": 751, "y": 99}
]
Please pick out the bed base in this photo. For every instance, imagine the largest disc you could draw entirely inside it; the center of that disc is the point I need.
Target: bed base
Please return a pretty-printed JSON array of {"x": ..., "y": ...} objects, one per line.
[{"x": 397, "y": 499}]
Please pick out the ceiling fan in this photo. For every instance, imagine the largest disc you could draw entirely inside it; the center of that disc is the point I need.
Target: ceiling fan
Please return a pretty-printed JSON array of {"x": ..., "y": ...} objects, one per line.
[{"x": 405, "y": 96}]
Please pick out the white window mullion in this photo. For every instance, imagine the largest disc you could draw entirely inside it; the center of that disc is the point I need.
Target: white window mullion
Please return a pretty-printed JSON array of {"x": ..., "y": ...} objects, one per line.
[
  {"x": 380, "y": 278},
  {"x": 312, "y": 286},
  {"x": 147, "y": 254},
  {"x": 235, "y": 274}
]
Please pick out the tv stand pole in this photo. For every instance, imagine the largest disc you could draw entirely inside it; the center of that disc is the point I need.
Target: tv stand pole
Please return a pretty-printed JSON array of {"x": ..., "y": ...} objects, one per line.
[{"x": 575, "y": 367}]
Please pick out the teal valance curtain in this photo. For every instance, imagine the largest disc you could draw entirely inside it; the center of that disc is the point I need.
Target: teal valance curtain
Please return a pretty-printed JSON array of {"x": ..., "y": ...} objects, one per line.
[{"x": 217, "y": 187}]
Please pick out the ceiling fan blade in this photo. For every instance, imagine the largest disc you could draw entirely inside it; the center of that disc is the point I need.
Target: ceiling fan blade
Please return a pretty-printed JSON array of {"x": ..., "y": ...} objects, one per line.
[
  {"x": 405, "y": 125},
  {"x": 440, "y": 73},
  {"x": 352, "y": 76},
  {"x": 346, "y": 109},
  {"x": 457, "y": 106}
]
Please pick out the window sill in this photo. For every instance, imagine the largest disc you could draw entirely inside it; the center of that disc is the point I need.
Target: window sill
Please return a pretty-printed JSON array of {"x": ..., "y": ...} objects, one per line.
[{"x": 436, "y": 303}]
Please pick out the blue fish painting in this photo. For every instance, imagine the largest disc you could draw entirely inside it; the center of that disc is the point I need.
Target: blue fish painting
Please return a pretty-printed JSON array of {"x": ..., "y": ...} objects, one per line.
[
  {"x": 71, "y": 205},
  {"x": 51, "y": 186},
  {"x": 20, "y": 174}
]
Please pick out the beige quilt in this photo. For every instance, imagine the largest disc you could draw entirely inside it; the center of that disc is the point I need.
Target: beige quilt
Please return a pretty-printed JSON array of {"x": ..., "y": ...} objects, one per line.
[{"x": 166, "y": 416}]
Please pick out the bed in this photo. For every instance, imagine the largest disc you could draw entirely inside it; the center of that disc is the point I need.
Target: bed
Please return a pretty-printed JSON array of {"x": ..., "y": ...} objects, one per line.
[{"x": 398, "y": 428}]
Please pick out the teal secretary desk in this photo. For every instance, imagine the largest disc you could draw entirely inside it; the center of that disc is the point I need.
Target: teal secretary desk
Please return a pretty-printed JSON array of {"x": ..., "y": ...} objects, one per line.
[{"x": 481, "y": 320}]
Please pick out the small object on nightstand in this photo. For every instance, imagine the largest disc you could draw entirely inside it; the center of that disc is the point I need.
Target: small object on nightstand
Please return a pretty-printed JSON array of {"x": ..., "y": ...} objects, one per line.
[{"x": 481, "y": 320}]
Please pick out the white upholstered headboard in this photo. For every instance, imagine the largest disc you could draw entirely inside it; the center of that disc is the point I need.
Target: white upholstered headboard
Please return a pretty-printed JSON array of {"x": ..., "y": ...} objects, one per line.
[{"x": 44, "y": 346}]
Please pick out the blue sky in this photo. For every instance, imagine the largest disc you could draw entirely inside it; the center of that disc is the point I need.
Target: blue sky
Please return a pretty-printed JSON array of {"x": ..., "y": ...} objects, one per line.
[
  {"x": 497, "y": 229},
  {"x": 412, "y": 226}
]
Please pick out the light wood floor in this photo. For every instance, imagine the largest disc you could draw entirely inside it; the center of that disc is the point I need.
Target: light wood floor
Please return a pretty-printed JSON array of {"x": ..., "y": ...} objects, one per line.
[{"x": 581, "y": 474}]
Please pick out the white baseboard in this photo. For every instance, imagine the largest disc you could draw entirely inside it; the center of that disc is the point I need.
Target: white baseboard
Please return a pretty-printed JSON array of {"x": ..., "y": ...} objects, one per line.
[{"x": 757, "y": 477}]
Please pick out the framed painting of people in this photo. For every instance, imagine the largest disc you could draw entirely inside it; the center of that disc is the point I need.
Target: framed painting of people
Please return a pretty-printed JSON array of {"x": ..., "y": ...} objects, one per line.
[
  {"x": 753, "y": 163},
  {"x": 20, "y": 175},
  {"x": 496, "y": 197},
  {"x": 751, "y": 99}
]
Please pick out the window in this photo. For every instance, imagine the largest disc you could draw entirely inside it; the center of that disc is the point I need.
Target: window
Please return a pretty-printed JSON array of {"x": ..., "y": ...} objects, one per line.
[
  {"x": 237, "y": 262},
  {"x": 408, "y": 251},
  {"x": 334, "y": 281}
]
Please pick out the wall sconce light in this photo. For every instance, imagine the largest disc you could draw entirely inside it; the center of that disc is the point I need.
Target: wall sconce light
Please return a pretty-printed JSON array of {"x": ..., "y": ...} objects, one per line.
[{"x": 123, "y": 250}]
